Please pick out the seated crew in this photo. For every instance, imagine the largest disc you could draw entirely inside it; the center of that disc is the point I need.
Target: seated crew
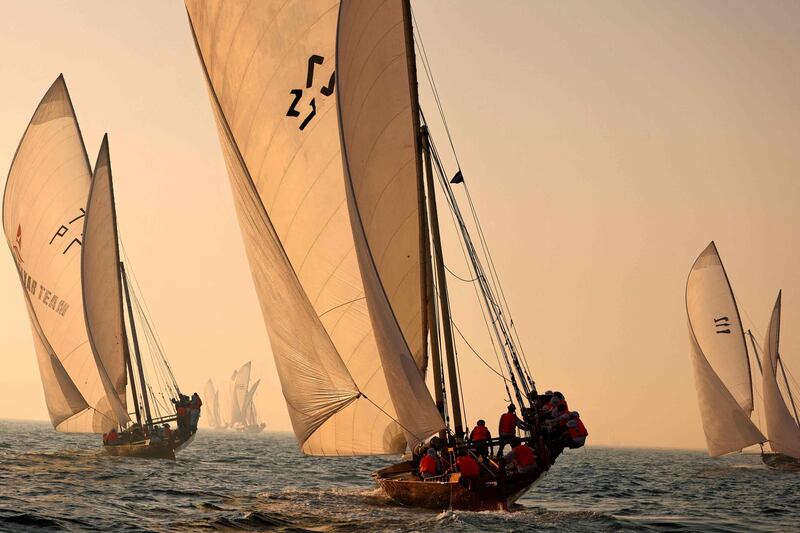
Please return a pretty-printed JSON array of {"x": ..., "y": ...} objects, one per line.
[
  {"x": 429, "y": 465},
  {"x": 479, "y": 436},
  {"x": 522, "y": 458},
  {"x": 507, "y": 428},
  {"x": 113, "y": 436},
  {"x": 468, "y": 466},
  {"x": 576, "y": 434}
]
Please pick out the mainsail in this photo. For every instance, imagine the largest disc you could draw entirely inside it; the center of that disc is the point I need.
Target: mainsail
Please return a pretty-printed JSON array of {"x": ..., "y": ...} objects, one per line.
[
  {"x": 782, "y": 428},
  {"x": 43, "y": 219},
  {"x": 719, "y": 357},
  {"x": 269, "y": 67}
]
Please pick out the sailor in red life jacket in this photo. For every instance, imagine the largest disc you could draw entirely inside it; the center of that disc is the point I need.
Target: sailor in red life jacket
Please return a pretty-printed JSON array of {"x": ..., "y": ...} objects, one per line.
[
  {"x": 429, "y": 465},
  {"x": 479, "y": 435},
  {"x": 522, "y": 457},
  {"x": 112, "y": 436},
  {"x": 509, "y": 422},
  {"x": 576, "y": 431},
  {"x": 468, "y": 466}
]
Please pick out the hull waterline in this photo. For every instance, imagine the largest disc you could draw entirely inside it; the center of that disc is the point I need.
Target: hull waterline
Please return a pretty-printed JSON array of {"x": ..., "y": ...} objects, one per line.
[{"x": 778, "y": 461}]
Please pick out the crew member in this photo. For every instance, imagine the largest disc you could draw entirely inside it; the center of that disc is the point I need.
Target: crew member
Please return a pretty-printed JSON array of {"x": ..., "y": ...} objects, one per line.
[
  {"x": 522, "y": 457},
  {"x": 576, "y": 431},
  {"x": 468, "y": 466},
  {"x": 479, "y": 436},
  {"x": 509, "y": 422},
  {"x": 194, "y": 411},
  {"x": 429, "y": 464}
]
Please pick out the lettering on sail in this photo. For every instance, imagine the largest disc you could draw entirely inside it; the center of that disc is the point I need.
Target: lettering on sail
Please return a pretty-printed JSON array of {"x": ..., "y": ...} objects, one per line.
[
  {"x": 325, "y": 90},
  {"x": 63, "y": 230},
  {"x": 42, "y": 293},
  {"x": 721, "y": 323}
]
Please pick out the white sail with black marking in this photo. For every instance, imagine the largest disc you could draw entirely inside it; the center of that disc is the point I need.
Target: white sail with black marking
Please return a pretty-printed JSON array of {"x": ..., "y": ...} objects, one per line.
[
  {"x": 719, "y": 357},
  {"x": 269, "y": 67},
  {"x": 782, "y": 429},
  {"x": 43, "y": 219}
]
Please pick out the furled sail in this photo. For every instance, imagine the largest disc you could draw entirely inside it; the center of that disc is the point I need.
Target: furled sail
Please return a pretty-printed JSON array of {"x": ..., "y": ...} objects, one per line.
[
  {"x": 102, "y": 286},
  {"x": 719, "y": 357},
  {"x": 782, "y": 428},
  {"x": 379, "y": 124},
  {"x": 43, "y": 217},
  {"x": 269, "y": 67}
]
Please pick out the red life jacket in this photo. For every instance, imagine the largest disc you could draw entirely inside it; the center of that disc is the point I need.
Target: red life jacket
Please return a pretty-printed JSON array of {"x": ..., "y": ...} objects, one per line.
[
  {"x": 578, "y": 431},
  {"x": 508, "y": 424},
  {"x": 468, "y": 466},
  {"x": 181, "y": 411},
  {"x": 480, "y": 433},
  {"x": 428, "y": 464},
  {"x": 524, "y": 456}
]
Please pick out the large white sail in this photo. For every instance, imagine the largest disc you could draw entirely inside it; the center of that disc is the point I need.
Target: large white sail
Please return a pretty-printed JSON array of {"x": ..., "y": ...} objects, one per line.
[
  {"x": 719, "y": 357},
  {"x": 43, "y": 216},
  {"x": 270, "y": 71},
  {"x": 379, "y": 125},
  {"x": 782, "y": 429},
  {"x": 102, "y": 286}
]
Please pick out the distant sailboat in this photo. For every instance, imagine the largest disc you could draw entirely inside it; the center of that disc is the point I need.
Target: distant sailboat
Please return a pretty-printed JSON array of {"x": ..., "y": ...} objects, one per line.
[
  {"x": 724, "y": 375},
  {"x": 211, "y": 396},
  {"x": 341, "y": 232},
  {"x": 719, "y": 356},
  {"x": 60, "y": 224},
  {"x": 782, "y": 425},
  {"x": 243, "y": 414}
]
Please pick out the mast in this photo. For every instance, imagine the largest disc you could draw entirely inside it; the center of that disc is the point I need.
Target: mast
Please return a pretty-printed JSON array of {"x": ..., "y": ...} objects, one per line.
[
  {"x": 146, "y": 400},
  {"x": 130, "y": 372},
  {"x": 755, "y": 351},
  {"x": 444, "y": 304}
]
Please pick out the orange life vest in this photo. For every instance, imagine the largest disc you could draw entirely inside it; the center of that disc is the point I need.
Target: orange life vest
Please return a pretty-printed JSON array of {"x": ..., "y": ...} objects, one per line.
[
  {"x": 480, "y": 433},
  {"x": 578, "y": 431},
  {"x": 468, "y": 466},
  {"x": 428, "y": 464},
  {"x": 524, "y": 455},
  {"x": 508, "y": 424}
]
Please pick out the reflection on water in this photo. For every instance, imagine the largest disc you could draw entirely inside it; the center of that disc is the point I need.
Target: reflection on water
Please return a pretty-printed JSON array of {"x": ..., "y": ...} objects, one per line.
[{"x": 238, "y": 482}]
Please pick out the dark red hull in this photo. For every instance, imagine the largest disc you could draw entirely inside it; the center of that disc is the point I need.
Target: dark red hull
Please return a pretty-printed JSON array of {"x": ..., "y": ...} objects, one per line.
[
  {"x": 148, "y": 449},
  {"x": 486, "y": 494}
]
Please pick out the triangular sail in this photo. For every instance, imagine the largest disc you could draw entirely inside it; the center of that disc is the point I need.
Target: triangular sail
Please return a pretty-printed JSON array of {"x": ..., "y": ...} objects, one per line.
[
  {"x": 719, "y": 356},
  {"x": 102, "y": 286},
  {"x": 269, "y": 67},
  {"x": 210, "y": 404},
  {"x": 240, "y": 389},
  {"x": 249, "y": 408},
  {"x": 43, "y": 217},
  {"x": 379, "y": 125},
  {"x": 782, "y": 428}
]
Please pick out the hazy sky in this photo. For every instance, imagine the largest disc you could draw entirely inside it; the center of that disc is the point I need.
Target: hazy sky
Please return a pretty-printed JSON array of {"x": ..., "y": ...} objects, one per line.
[{"x": 605, "y": 145}]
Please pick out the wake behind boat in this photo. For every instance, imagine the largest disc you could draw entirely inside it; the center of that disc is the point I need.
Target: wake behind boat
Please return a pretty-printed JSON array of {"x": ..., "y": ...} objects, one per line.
[
  {"x": 60, "y": 224},
  {"x": 324, "y": 140}
]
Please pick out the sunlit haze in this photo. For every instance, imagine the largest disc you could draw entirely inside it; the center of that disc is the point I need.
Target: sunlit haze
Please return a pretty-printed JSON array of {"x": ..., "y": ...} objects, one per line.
[{"x": 605, "y": 145}]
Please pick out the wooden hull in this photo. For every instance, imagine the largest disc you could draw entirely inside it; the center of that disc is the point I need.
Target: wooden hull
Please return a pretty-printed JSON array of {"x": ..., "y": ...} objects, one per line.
[
  {"x": 778, "y": 461},
  {"x": 148, "y": 449},
  {"x": 486, "y": 494}
]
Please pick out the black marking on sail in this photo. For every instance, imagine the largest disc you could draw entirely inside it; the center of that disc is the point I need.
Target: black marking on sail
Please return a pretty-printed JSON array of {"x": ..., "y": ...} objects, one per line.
[
  {"x": 62, "y": 231},
  {"x": 722, "y": 322},
  {"x": 325, "y": 90}
]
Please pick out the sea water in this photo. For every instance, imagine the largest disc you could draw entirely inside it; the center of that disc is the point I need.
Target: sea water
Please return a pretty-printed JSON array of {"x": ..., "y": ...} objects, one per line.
[{"x": 229, "y": 481}]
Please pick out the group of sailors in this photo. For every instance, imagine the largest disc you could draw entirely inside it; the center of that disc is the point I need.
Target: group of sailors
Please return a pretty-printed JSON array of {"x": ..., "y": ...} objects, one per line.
[
  {"x": 550, "y": 423},
  {"x": 188, "y": 414}
]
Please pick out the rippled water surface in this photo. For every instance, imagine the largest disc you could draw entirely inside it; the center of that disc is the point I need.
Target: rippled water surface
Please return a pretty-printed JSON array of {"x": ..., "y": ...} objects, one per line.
[{"x": 235, "y": 482}]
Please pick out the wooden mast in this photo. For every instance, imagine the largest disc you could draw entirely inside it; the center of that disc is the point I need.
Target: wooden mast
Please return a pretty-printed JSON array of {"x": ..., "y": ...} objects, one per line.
[
  {"x": 441, "y": 278},
  {"x": 146, "y": 400},
  {"x": 130, "y": 366}
]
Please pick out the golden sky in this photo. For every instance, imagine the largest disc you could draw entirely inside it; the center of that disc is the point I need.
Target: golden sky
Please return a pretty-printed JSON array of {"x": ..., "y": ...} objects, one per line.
[{"x": 605, "y": 145}]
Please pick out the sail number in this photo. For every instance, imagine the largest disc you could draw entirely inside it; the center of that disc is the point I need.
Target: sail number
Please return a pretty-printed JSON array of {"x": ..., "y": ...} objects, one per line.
[
  {"x": 722, "y": 325},
  {"x": 63, "y": 230},
  {"x": 325, "y": 90}
]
